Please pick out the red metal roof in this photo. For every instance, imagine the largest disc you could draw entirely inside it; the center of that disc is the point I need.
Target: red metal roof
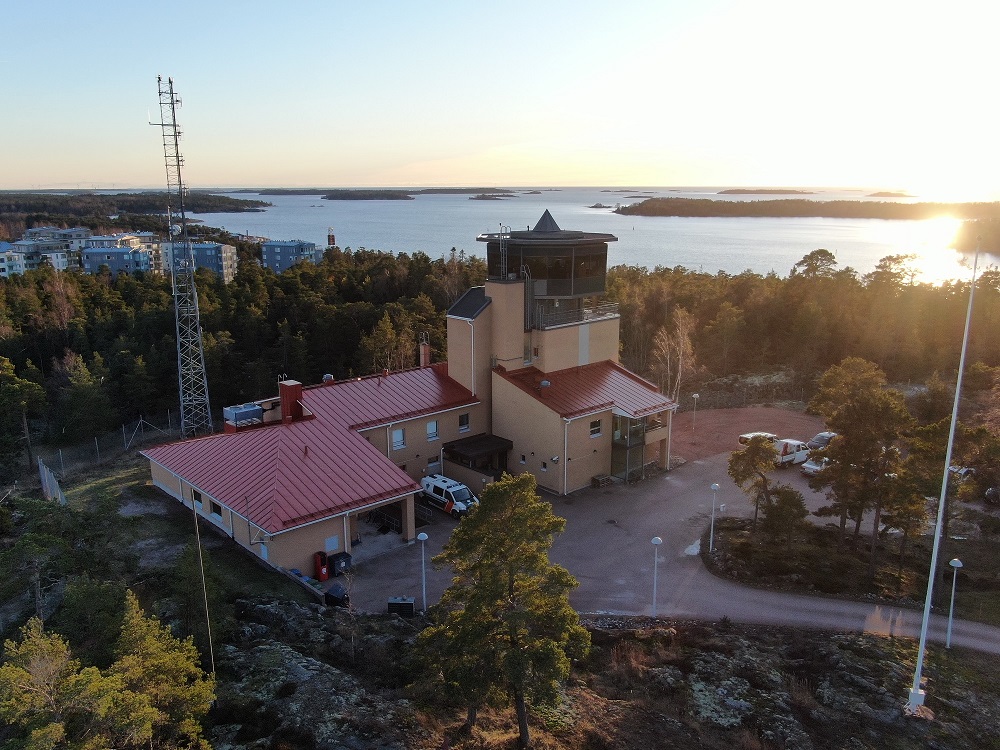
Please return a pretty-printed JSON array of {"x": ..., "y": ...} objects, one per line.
[
  {"x": 286, "y": 475},
  {"x": 582, "y": 390},
  {"x": 381, "y": 399}
]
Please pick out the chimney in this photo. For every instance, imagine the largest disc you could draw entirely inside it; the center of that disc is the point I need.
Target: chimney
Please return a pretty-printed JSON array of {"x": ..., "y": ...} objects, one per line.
[
  {"x": 290, "y": 393},
  {"x": 425, "y": 354}
]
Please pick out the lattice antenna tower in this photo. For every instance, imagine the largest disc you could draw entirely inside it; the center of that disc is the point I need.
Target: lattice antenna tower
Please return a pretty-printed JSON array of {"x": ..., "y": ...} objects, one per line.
[{"x": 196, "y": 412}]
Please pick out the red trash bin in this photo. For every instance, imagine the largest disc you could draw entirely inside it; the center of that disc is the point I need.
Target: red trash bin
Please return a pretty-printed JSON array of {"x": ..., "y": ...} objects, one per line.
[{"x": 322, "y": 569}]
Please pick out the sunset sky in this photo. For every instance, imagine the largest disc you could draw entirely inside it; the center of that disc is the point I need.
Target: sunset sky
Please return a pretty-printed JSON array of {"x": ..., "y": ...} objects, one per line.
[{"x": 886, "y": 95}]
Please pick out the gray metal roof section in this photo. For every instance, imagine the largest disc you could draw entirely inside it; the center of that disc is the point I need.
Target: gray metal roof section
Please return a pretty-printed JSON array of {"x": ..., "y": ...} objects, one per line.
[
  {"x": 546, "y": 223},
  {"x": 470, "y": 304}
]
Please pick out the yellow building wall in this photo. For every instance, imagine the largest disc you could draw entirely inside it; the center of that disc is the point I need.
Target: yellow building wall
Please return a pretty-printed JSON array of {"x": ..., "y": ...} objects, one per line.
[
  {"x": 507, "y": 325},
  {"x": 587, "y": 456},
  {"x": 576, "y": 345},
  {"x": 460, "y": 364},
  {"x": 474, "y": 480},
  {"x": 295, "y": 548},
  {"x": 535, "y": 430},
  {"x": 421, "y": 455}
]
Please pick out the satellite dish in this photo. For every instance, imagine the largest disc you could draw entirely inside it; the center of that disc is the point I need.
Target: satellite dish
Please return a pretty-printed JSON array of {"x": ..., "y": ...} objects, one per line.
[{"x": 175, "y": 229}]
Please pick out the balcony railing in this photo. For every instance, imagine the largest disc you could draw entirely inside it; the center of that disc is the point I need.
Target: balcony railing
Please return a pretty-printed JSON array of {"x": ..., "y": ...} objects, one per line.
[{"x": 554, "y": 318}]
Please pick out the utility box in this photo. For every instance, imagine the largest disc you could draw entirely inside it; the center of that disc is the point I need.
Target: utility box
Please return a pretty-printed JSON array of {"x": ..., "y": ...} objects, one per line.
[
  {"x": 402, "y": 606},
  {"x": 321, "y": 564},
  {"x": 340, "y": 563},
  {"x": 243, "y": 414}
]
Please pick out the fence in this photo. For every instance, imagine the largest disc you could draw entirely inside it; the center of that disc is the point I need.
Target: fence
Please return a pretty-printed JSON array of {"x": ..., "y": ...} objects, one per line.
[{"x": 110, "y": 446}]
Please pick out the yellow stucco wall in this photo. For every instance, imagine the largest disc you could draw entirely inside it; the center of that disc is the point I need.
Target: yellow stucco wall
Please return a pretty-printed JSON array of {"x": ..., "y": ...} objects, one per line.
[
  {"x": 507, "y": 325},
  {"x": 460, "y": 366},
  {"x": 575, "y": 345},
  {"x": 535, "y": 430},
  {"x": 587, "y": 455},
  {"x": 420, "y": 455}
]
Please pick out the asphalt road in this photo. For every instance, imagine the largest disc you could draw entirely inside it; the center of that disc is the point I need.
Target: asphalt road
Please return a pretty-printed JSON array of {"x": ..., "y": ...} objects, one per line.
[{"x": 607, "y": 546}]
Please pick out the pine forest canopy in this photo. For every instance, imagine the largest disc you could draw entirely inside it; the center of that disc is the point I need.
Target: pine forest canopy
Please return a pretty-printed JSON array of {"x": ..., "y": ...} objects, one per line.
[{"x": 103, "y": 348}]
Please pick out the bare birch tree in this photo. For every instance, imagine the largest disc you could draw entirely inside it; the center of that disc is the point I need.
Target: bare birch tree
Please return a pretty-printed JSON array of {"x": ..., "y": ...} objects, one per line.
[{"x": 673, "y": 353}]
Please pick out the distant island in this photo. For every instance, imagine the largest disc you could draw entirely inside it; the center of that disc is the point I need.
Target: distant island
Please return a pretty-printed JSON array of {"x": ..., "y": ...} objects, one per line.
[
  {"x": 491, "y": 196},
  {"x": 599, "y": 205},
  {"x": 374, "y": 194},
  {"x": 764, "y": 191},
  {"x": 889, "y": 194},
  {"x": 801, "y": 208},
  {"x": 368, "y": 195},
  {"x": 93, "y": 205},
  {"x": 532, "y": 192}
]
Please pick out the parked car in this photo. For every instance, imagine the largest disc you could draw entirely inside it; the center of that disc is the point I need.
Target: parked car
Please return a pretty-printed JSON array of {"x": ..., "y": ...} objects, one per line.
[
  {"x": 790, "y": 452},
  {"x": 814, "y": 466},
  {"x": 744, "y": 439},
  {"x": 449, "y": 495},
  {"x": 821, "y": 440}
]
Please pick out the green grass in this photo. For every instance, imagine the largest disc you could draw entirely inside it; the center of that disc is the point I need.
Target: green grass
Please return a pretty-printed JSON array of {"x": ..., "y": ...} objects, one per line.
[{"x": 107, "y": 479}]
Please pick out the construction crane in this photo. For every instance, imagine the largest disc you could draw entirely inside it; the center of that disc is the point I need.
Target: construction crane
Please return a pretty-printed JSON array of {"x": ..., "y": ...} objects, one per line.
[{"x": 196, "y": 412}]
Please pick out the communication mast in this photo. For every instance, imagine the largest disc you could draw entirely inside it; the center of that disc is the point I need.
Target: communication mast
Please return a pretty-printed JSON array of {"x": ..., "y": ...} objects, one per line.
[{"x": 196, "y": 412}]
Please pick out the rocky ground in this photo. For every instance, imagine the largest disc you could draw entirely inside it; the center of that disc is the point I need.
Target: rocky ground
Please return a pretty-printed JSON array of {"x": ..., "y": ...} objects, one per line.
[{"x": 305, "y": 676}]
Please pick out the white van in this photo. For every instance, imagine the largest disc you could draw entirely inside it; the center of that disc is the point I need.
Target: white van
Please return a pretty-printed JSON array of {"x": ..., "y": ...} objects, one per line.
[
  {"x": 449, "y": 495},
  {"x": 790, "y": 452}
]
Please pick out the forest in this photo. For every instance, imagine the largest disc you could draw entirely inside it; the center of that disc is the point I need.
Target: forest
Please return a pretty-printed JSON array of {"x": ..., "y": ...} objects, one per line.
[
  {"x": 134, "y": 212},
  {"x": 101, "y": 350},
  {"x": 801, "y": 207}
]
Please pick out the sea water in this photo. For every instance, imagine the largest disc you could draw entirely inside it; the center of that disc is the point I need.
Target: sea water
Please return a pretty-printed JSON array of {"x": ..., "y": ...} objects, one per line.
[{"x": 434, "y": 224}]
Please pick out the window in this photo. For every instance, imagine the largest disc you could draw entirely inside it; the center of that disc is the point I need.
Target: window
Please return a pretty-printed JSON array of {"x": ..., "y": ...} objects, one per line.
[
  {"x": 398, "y": 439},
  {"x": 216, "y": 509},
  {"x": 545, "y": 466},
  {"x": 595, "y": 428},
  {"x": 463, "y": 422},
  {"x": 197, "y": 496},
  {"x": 432, "y": 430},
  {"x": 431, "y": 460},
  {"x": 523, "y": 461}
]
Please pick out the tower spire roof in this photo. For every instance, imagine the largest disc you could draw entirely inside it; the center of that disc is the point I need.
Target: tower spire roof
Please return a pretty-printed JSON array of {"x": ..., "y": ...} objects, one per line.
[{"x": 546, "y": 223}]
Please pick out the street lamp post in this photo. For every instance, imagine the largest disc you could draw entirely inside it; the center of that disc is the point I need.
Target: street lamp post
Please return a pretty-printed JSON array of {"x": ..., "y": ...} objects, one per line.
[
  {"x": 711, "y": 533},
  {"x": 422, "y": 538},
  {"x": 955, "y": 565},
  {"x": 916, "y": 696},
  {"x": 656, "y": 559},
  {"x": 694, "y": 418}
]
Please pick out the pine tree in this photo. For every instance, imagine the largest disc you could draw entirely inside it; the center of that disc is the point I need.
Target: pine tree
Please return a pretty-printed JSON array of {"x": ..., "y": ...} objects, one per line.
[
  {"x": 749, "y": 467},
  {"x": 153, "y": 663},
  {"x": 45, "y": 693},
  {"x": 505, "y": 626}
]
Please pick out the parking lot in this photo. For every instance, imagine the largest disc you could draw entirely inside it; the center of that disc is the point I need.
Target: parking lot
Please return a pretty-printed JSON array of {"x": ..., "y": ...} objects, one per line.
[{"x": 606, "y": 544}]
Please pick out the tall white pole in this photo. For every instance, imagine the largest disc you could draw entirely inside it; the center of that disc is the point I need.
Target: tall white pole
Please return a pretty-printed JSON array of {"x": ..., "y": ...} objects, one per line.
[
  {"x": 422, "y": 537},
  {"x": 711, "y": 533},
  {"x": 955, "y": 565},
  {"x": 916, "y": 699},
  {"x": 656, "y": 559},
  {"x": 694, "y": 418}
]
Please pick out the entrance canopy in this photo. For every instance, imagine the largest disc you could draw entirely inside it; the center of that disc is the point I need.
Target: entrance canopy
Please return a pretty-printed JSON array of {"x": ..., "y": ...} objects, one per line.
[{"x": 470, "y": 449}]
